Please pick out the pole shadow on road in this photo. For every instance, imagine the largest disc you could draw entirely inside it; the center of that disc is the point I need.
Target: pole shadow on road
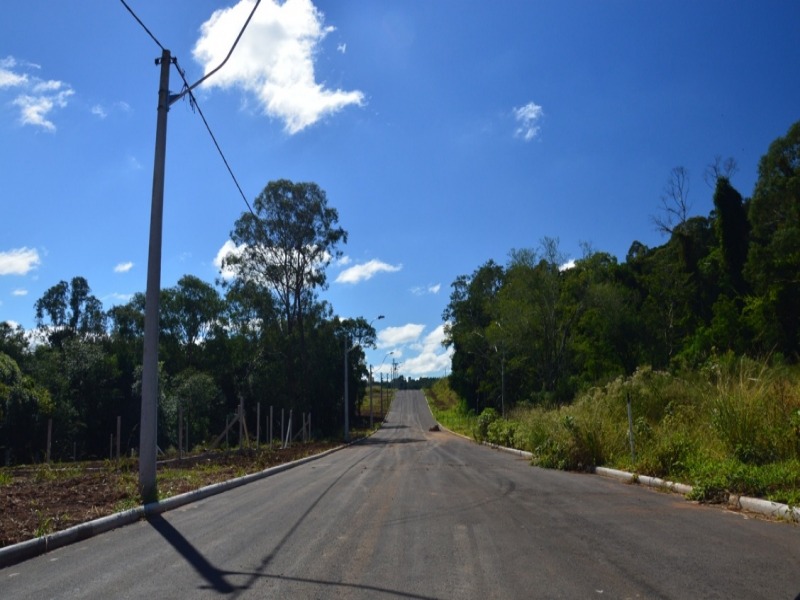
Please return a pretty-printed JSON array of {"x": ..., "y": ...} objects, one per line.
[{"x": 214, "y": 576}]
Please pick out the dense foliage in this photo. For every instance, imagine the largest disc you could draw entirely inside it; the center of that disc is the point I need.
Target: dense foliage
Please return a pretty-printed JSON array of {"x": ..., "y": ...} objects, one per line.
[
  {"x": 261, "y": 336},
  {"x": 539, "y": 330}
]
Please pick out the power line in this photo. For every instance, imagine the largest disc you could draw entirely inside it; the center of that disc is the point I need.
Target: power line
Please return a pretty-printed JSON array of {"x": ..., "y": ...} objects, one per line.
[
  {"x": 195, "y": 105},
  {"x": 148, "y": 424},
  {"x": 219, "y": 66},
  {"x": 187, "y": 89},
  {"x": 138, "y": 20}
]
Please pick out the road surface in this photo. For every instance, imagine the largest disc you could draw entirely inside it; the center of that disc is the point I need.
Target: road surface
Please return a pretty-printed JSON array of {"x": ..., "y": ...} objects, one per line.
[{"x": 416, "y": 514}]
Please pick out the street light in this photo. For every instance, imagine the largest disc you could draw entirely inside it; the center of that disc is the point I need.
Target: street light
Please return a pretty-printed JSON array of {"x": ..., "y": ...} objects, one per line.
[
  {"x": 346, "y": 379},
  {"x": 370, "y": 395}
]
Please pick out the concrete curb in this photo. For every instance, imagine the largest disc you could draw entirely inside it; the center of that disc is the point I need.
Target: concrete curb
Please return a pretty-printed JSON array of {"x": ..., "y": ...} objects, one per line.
[
  {"x": 16, "y": 553},
  {"x": 645, "y": 480},
  {"x": 774, "y": 510}
]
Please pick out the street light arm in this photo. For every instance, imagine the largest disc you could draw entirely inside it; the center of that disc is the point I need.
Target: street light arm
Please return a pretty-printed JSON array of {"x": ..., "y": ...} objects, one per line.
[
  {"x": 175, "y": 97},
  {"x": 363, "y": 333}
]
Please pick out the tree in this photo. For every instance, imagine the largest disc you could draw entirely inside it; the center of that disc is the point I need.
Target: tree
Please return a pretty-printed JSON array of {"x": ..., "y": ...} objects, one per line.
[
  {"x": 356, "y": 334},
  {"x": 24, "y": 406},
  {"x": 13, "y": 341},
  {"x": 69, "y": 309},
  {"x": 773, "y": 261},
  {"x": 466, "y": 317},
  {"x": 284, "y": 246},
  {"x": 674, "y": 201},
  {"x": 190, "y": 312},
  {"x": 732, "y": 230},
  {"x": 287, "y": 243}
]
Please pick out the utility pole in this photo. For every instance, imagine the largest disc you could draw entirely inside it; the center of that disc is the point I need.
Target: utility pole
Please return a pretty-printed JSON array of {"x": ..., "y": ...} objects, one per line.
[
  {"x": 149, "y": 416},
  {"x": 149, "y": 419},
  {"x": 370, "y": 398},
  {"x": 346, "y": 407}
]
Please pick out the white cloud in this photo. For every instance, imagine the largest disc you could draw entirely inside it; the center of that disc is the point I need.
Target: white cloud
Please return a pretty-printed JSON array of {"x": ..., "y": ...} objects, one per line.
[
  {"x": 395, "y": 336},
  {"x": 431, "y": 358},
  {"x": 19, "y": 292},
  {"x": 365, "y": 271},
  {"x": 570, "y": 264},
  {"x": 274, "y": 59},
  {"x": 19, "y": 261},
  {"x": 344, "y": 261},
  {"x": 38, "y": 98},
  {"x": 8, "y": 78},
  {"x": 227, "y": 248},
  {"x": 342, "y": 48},
  {"x": 123, "y": 267},
  {"x": 102, "y": 111},
  {"x": 431, "y": 289},
  {"x": 528, "y": 118},
  {"x": 117, "y": 297}
]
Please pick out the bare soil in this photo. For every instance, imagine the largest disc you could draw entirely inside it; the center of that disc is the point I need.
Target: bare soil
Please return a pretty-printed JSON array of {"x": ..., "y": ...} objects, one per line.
[{"x": 42, "y": 499}]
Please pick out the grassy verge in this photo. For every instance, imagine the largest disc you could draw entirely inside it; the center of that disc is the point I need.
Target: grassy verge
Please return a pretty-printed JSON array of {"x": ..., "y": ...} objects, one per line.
[
  {"x": 449, "y": 410},
  {"x": 731, "y": 428}
]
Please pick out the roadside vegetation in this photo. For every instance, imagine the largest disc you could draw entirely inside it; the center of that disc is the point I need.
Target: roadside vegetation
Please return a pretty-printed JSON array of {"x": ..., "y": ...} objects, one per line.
[
  {"x": 701, "y": 333},
  {"x": 732, "y": 427},
  {"x": 260, "y": 338}
]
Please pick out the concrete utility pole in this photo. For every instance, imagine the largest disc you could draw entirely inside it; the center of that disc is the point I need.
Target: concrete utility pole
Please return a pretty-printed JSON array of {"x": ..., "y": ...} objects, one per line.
[
  {"x": 149, "y": 419},
  {"x": 346, "y": 408},
  {"x": 370, "y": 398}
]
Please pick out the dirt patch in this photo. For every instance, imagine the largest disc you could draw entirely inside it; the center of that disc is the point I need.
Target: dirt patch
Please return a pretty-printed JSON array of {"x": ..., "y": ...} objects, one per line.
[{"x": 43, "y": 499}]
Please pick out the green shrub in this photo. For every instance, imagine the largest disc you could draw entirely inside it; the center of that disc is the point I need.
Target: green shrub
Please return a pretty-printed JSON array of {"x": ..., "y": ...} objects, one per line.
[
  {"x": 668, "y": 455},
  {"x": 486, "y": 418},
  {"x": 502, "y": 432}
]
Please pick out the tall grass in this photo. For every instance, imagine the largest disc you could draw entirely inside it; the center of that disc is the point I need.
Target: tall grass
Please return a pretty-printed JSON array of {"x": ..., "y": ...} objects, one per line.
[
  {"x": 731, "y": 427},
  {"x": 450, "y": 410}
]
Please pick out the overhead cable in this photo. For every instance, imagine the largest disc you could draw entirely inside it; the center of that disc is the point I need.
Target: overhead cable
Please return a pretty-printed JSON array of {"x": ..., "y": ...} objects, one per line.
[
  {"x": 130, "y": 10},
  {"x": 195, "y": 105}
]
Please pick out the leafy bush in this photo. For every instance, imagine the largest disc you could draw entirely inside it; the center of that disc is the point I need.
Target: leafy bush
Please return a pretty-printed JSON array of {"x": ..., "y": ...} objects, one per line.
[
  {"x": 503, "y": 432},
  {"x": 570, "y": 443},
  {"x": 486, "y": 418},
  {"x": 669, "y": 455}
]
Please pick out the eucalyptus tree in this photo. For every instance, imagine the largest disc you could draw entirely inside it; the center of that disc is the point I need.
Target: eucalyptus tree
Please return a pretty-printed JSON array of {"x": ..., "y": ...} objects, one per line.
[
  {"x": 284, "y": 246},
  {"x": 69, "y": 309}
]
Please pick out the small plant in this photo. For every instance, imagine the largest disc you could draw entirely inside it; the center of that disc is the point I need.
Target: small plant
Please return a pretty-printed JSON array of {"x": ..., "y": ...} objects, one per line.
[{"x": 45, "y": 526}]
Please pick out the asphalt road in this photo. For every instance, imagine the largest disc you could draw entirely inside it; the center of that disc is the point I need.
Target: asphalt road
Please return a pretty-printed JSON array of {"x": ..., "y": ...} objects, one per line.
[{"x": 416, "y": 514}]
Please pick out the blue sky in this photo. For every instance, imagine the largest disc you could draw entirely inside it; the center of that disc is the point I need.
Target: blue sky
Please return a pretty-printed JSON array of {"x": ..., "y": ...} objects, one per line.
[{"x": 444, "y": 132}]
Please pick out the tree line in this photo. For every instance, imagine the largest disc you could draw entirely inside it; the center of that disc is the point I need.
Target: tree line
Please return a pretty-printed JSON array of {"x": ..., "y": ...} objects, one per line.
[
  {"x": 261, "y": 335},
  {"x": 538, "y": 330}
]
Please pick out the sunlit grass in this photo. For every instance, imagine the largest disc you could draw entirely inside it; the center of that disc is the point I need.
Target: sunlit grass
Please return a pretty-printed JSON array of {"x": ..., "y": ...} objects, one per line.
[{"x": 730, "y": 428}]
